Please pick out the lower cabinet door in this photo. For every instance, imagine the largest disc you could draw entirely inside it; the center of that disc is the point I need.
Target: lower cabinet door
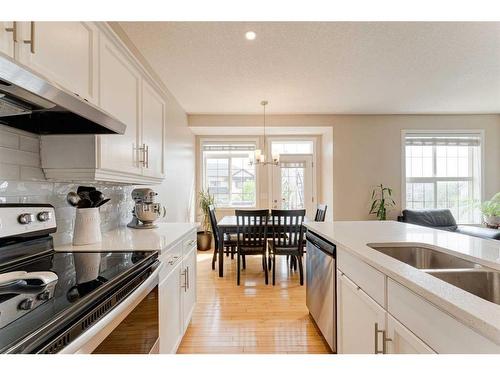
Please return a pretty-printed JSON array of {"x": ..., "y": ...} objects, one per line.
[
  {"x": 358, "y": 318},
  {"x": 403, "y": 341},
  {"x": 189, "y": 280},
  {"x": 170, "y": 316}
]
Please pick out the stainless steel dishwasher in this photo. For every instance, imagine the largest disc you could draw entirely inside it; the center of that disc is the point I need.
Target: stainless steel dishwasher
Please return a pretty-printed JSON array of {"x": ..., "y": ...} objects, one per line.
[{"x": 321, "y": 286}]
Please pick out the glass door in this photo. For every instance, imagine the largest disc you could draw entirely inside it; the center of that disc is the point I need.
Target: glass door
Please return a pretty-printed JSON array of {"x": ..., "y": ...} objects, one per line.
[{"x": 292, "y": 183}]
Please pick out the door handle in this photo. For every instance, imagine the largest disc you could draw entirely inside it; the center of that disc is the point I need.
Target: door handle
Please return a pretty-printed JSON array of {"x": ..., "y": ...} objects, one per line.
[
  {"x": 385, "y": 340},
  {"x": 187, "y": 278},
  {"x": 184, "y": 273},
  {"x": 31, "y": 41},
  {"x": 13, "y": 30}
]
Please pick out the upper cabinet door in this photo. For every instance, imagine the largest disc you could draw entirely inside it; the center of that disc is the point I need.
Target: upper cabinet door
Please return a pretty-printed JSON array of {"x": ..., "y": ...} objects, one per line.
[
  {"x": 119, "y": 89},
  {"x": 63, "y": 52},
  {"x": 153, "y": 125},
  {"x": 7, "y": 34}
]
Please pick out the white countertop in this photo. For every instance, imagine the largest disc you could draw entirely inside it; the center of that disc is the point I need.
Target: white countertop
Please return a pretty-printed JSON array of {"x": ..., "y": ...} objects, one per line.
[
  {"x": 128, "y": 239},
  {"x": 353, "y": 236}
]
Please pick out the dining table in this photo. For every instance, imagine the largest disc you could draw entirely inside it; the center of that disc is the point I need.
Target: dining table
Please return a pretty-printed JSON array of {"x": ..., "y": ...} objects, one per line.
[{"x": 228, "y": 225}]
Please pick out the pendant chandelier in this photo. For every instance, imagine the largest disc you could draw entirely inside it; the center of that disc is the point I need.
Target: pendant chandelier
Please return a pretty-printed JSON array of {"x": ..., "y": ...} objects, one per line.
[{"x": 260, "y": 155}]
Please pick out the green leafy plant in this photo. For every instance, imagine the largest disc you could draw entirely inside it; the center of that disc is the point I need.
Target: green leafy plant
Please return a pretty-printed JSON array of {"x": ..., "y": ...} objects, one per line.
[
  {"x": 491, "y": 207},
  {"x": 205, "y": 200},
  {"x": 381, "y": 201}
]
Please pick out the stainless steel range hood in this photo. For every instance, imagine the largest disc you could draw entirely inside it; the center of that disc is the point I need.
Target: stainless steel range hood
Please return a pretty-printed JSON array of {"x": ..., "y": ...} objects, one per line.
[{"x": 29, "y": 102}]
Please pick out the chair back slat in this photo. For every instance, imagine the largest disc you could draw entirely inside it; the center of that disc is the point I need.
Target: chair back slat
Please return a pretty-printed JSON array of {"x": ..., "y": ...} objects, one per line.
[
  {"x": 213, "y": 224},
  {"x": 288, "y": 231},
  {"x": 320, "y": 212},
  {"x": 251, "y": 228}
]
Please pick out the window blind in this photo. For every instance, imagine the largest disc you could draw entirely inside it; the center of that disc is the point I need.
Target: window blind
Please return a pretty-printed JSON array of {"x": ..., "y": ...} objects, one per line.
[
  {"x": 433, "y": 139},
  {"x": 228, "y": 147}
]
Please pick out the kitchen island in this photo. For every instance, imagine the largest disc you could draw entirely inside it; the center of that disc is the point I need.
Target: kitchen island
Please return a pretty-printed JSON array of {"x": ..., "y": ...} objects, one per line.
[{"x": 385, "y": 305}]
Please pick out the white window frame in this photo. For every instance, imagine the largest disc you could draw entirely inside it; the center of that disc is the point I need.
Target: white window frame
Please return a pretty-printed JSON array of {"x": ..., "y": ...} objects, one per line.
[
  {"x": 202, "y": 175},
  {"x": 404, "y": 132}
]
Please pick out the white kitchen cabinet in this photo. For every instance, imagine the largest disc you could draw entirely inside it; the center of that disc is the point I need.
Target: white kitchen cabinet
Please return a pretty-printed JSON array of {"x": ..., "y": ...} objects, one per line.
[
  {"x": 361, "y": 320},
  {"x": 177, "y": 292},
  {"x": 152, "y": 130},
  {"x": 403, "y": 341},
  {"x": 170, "y": 311},
  {"x": 136, "y": 157},
  {"x": 189, "y": 283},
  {"x": 63, "y": 52},
  {"x": 119, "y": 92},
  {"x": 7, "y": 35}
]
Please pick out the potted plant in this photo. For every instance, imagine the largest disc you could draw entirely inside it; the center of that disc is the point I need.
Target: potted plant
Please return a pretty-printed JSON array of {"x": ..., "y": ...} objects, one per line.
[
  {"x": 381, "y": 201},
  {"x": 491, "y": 211},
  {"x": 204, "y": 237}
]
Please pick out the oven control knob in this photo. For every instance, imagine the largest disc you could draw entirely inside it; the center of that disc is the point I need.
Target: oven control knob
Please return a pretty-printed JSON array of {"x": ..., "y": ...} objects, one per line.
[
  {"x": 26, "y": 304},
  {"x": 26, "y": 218},
  {"x": 44, "y": 216}
]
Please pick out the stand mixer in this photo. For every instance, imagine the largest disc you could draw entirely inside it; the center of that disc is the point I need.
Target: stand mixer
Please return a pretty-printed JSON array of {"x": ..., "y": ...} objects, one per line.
[{"x": 145, "y": 211}]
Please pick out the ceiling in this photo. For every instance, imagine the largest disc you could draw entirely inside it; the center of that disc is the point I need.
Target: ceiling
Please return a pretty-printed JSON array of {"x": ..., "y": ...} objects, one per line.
[{"x": 325, "y": 67}]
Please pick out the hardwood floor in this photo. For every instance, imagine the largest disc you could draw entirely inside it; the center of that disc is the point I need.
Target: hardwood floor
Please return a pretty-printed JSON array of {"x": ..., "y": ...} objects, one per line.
[{"x": 252, "y": 317}]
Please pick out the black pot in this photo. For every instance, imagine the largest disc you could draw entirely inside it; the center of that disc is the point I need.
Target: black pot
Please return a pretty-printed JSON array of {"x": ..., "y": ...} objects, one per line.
[{"x": 204, "y": 240}]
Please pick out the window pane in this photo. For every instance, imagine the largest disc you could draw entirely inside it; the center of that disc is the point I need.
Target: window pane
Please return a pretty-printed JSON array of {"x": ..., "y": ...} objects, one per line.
[
  {"x": 292, "y": 147},
  {"x": 228, "y": 175},
  {"x": 443, "y": 171}
]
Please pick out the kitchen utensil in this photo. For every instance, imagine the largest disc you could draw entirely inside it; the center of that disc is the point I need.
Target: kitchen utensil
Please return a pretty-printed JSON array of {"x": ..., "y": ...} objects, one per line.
[
  {"x": 73, "y": 198},
  {"x": 84, "y": 203},
  {"x": 85, "y": 188},
  {"x": 84, "y": 191},
  {"x": 104, "y": 201},
  {"x": 87, "y": 226},
  {"x": 96, "y": 197}
]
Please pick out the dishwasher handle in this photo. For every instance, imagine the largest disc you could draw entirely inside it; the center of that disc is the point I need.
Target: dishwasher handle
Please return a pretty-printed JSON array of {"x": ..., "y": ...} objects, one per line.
[{"x": 321, "y": 244}]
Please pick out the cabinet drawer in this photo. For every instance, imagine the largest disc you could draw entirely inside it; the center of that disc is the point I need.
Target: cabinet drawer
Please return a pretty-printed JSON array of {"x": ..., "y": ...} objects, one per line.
[
  {"x": 437, "y": 329},
  {"x": 189, "y": 243},
  {"x": 170, "y": 258},
  {"x": 371, "y": 281}
]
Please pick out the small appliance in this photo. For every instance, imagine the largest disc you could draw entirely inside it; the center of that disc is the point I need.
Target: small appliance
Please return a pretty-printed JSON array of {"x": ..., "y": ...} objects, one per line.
[{"x": 145, "y": 211}]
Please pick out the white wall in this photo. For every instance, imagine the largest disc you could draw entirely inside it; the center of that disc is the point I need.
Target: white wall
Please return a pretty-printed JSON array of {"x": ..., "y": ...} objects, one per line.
[{"x": 367, "y": 151}]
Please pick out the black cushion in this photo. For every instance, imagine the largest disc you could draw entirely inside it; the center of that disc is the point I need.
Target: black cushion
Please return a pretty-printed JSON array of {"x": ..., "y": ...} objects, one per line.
[
  {"x": 435, "y": 218},
  {"x": 489, "y": 233}
]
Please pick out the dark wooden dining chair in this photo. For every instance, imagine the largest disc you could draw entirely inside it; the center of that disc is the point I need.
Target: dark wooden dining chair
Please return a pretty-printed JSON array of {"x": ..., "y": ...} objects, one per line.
[
  {"x": 320, "y": 212},
  {"x": 287, "y": 238},
  {"x": 229, "y": 241},
  {"x": 251, "y": 237}
]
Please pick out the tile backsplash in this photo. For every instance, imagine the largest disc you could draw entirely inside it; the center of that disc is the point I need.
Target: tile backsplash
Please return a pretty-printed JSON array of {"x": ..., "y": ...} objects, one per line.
[{"x": 22, "y": 181}]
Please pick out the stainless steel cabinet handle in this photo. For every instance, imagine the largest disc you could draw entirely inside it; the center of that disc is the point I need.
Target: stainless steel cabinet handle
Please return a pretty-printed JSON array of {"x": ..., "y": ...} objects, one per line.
[
  {"x": 385, "y": 340},
  {"x": 146, "y": 151},
  {"x": 13, "y": 30},
  {"x": 187, "y": 278},
  {"x": 142, "y": 157},
  {"x": 31, "y": 41}
]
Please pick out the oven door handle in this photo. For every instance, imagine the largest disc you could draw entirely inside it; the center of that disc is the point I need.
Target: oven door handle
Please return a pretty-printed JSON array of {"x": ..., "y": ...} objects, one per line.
[{"x": 90, "y": 339}]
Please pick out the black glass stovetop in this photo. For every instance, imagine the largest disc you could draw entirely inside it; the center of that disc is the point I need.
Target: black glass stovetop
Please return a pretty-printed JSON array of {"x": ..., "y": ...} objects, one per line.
[{"x": 80, "y": 278}]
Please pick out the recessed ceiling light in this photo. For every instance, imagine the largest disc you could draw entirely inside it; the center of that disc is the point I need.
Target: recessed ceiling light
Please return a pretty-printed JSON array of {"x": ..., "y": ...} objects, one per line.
[{"x": 250, "y": 35}]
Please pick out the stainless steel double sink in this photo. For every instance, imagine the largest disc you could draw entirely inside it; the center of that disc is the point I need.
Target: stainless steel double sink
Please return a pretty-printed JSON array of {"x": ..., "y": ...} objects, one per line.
[{"x": 466, "y": 275}]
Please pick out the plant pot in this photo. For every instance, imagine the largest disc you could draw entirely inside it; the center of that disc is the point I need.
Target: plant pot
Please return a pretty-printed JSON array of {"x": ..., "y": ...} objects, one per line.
[
  {"x": 492, "y": 221},
  {"x": 204, "y": 240}
]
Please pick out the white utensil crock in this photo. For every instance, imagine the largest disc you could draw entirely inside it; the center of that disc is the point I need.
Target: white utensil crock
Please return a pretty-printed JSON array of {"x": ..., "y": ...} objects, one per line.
[{"x": 87, "y": 226}]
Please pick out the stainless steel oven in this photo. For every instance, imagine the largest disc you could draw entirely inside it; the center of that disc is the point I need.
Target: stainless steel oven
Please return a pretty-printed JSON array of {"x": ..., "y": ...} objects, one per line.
[{"x": 321, "y": 286}]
